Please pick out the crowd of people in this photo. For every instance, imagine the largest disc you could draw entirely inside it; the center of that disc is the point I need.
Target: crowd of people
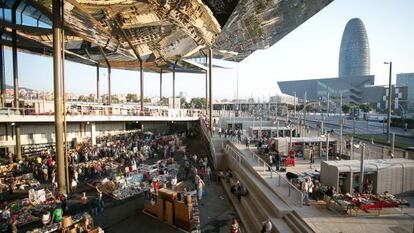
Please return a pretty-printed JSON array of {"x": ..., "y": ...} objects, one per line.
[{"x": 88, "y": 162}]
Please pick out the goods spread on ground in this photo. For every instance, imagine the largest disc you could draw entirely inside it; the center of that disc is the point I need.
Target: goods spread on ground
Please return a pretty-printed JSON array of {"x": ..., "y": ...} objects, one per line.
[
  {"x": 136, "y": 180},
  {"x": 21, "y": 182},
  {"x": 367, "y": 202},
  {"x": 30, "y": 209},
  {"x": 81, "y": 222}
]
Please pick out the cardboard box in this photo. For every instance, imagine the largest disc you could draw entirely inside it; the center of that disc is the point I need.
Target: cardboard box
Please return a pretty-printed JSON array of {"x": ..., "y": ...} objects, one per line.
[
  {"x": 169, "y": 213},
  {"x": 182, "y": 211},
  {"x": 186, "y": 225},
  {"x": 167, "y": 194},
  {"x": 160, "y": 207},
  {"x": 152, "y": 209}
]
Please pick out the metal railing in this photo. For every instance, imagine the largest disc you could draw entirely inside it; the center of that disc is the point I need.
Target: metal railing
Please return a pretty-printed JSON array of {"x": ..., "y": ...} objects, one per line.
[
  {"x": 275, "y": 177},
  {"x": 104, "y": 112},
  {"x": 209, "y": 140}
]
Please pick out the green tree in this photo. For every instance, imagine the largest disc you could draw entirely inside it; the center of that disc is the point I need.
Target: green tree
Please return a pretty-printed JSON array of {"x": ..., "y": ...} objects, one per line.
[
  {"x": 366, "y": 107},
  {"x": 346, "y": 108},
  {"x": 83, "y": 98},
  {"x": 198, "y": 103},
  {"x": 131, "y": 97}
]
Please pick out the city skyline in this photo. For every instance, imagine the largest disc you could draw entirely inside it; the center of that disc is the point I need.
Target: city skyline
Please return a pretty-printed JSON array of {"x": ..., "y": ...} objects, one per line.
[{"x": 306, "y": 53}]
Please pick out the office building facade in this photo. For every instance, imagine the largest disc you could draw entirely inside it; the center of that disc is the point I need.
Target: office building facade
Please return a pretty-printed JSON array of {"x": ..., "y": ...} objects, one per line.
[
  {"x": 407, "y": 80},
  {"x": 354, "y": 55}
]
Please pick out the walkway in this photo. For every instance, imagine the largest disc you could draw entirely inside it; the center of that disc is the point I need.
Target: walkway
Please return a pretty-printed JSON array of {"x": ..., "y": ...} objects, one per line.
[{"x": 319, "y": 217}]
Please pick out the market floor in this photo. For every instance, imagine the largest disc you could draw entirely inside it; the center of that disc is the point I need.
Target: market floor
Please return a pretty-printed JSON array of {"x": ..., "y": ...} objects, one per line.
[{"x": 127, "y": 216}]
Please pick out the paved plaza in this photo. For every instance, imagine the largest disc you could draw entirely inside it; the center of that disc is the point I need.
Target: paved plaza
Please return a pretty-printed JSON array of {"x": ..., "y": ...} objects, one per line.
[{"x": 326, "y": 220}]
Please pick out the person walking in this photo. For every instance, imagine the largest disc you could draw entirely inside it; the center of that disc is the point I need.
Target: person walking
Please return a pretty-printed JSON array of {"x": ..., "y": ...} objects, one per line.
[
  {"x": 247, "y": 142},
  {"x": 277, "y": 160},
  {"x": 234, "y": 226},
  {"x": 200, "y": 188},
  {"x": 97, "y": 204},
  {"x": 312, "y": 160},
  {"x": 84, "y": 202},
  {"x": 270, "y": 161},
  {"x": 238, "y": 189},
  {"x": 267, "y": 226},
  {"x": 73, "y": 185},
  {"x": 307, "y": 186}
]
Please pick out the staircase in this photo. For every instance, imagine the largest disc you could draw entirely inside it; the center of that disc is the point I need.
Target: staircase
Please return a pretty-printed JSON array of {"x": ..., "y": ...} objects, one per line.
[{"x": 262, "y": 201}]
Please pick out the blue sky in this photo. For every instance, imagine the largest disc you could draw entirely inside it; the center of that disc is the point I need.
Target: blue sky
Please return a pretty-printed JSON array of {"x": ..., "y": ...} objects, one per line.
[{"x": 311, "y": 51}]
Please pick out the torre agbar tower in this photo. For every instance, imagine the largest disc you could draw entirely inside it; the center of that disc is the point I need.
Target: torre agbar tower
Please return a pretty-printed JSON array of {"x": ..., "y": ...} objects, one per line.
[{"x": 354, "y": 58}]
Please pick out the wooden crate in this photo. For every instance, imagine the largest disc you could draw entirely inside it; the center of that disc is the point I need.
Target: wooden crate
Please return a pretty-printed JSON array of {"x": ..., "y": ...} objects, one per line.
[
  {"x": 169, "y": 212},
  {"x": 167, "y": 194},
  {"x": 182, "y": 211},
  {"x": 152, "y": 209},
  {"x": 160, "y": 208}
]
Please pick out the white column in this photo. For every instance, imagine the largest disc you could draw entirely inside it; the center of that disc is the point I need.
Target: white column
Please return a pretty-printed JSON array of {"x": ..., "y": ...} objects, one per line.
[{"x": 93, "y": 133}]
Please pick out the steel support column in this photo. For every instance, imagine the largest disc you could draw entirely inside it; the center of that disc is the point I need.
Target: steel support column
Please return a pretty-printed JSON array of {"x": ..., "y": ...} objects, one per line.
[
  {"x": 14, "y": 57},
  {"x": 141, "y": 78},
  {"x": 361, "y": 171},
  {"x": 160, "y": 85},
  {"x": 389, "y": 105},
  {"x": 18, "y": 150},
  {"x": 65, "y": 126},
  {"x": 206, "y": 91},
  {"x": 97, "y": 84},
  {"x": 109, "y": 85},
  {"x": 210, "y": 61},
  {"x": 2, "y": 78},
  {"x": 109, "y": 75},
  {"x": 173, "y": 84},
  {"x": 57, "y": 76}
]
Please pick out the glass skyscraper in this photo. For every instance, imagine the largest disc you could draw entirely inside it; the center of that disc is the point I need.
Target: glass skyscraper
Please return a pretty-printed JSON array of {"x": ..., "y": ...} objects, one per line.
[{"x": 354, "y": 57}]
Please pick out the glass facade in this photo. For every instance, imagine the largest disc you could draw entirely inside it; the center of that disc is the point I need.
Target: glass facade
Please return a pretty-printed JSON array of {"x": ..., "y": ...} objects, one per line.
[
  {"x": 354, "y": 56},
  {"x": 407, "y": 80}
]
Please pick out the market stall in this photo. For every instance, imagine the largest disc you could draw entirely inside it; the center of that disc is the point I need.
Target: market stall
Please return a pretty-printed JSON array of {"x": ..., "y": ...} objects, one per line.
[
  {"x": 302, "y": 145},
  {"x": 177, "y": 208},
  {"x": 30, "y": 209},
  {"x": 271, "y": 131},
  {"x": 82, "y": 222},
  {"x": 132, "y": 182},
  {"x": 391, "y": 175},
  {"x": 26, "y": 181}
]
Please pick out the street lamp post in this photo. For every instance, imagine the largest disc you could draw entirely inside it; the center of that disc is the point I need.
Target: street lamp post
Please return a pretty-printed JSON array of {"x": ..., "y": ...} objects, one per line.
[
  {"x": 294, "y": 104},
  {"x": 304, "y": 111},
  {"x": 351, "y": 151},
  {"x": 389, "y": 102},
  {"x": 353, "y": 120},
  {"x": 327, "y": 146},
  {"x": 327, "y": 106},
  {"x": 392, "y": 145},
  {"x": 361, "y": 175}
]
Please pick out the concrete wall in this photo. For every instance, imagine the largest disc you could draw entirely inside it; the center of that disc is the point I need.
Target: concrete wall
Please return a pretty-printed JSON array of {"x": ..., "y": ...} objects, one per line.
[
  {"x": 37, "y": 133},
  {"x": 158, "y": 126},
  {"x": 246, "y": 123}
]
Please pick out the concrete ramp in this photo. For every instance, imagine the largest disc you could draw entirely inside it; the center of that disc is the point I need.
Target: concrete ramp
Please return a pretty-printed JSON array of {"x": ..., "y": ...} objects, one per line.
[{"x": 261, "y": 202}]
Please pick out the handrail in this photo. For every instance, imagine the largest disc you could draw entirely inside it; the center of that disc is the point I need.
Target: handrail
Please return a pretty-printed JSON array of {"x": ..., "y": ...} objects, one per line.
[
  {"x": 102, "y": 112},
  {"x": 266, "y": 165},
  {"x": 210, "y": 142}
]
